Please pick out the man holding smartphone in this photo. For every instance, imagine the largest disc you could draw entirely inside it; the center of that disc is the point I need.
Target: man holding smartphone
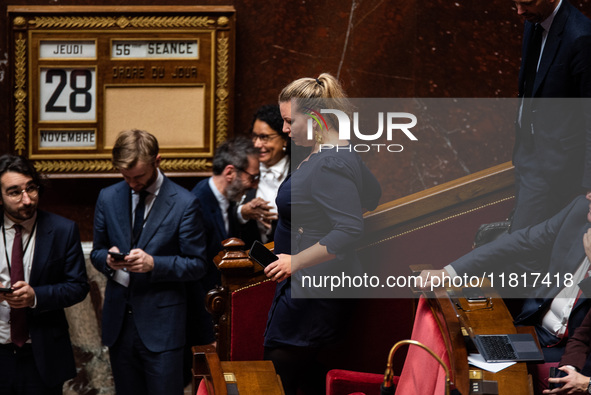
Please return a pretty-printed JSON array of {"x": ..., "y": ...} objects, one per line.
[
  {"x": 156, "y": 224},
  {"x": 42, "y": 271}
]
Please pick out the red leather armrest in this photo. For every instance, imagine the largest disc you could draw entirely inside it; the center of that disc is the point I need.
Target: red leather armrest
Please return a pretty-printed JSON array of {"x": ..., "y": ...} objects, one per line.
[{"x": 346, "y": 382}]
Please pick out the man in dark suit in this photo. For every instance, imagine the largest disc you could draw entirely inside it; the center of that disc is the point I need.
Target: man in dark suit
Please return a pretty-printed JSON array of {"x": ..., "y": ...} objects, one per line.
[
  {"x": 44, "y": 267},
  {"x": 554, "y": 306},
  {"x": 552, "y": 153},
  {"x": 235, "y": 170},
  {"x": 157, "y": 225}
]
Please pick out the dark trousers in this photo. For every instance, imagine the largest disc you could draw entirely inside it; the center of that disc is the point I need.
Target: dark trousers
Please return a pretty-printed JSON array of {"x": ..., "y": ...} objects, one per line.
[
  {"x": 137, "y": 370},
  {"x": 299, "y": 369},
  {"x": 19, "y": 374}
]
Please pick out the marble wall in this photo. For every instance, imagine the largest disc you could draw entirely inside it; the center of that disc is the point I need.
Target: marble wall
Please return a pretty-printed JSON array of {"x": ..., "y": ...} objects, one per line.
[
  {"x": 92, "y": 358},
  {"x": 377, "y": 48}
]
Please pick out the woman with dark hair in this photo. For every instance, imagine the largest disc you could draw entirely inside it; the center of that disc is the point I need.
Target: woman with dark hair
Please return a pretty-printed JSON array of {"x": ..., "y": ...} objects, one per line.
[
  {"x": 320, "y": 208},
  {"x": 274, "y": 147}
]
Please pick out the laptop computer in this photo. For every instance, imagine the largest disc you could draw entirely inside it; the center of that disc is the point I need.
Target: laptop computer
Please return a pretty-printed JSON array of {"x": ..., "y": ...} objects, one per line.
[
  {"x": 498, "y": 348},
  {"x": 508, "y": 348}
]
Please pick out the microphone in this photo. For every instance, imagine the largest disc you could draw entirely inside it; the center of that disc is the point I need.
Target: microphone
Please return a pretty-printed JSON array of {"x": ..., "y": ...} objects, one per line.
[{"x": 388, "y": 387}]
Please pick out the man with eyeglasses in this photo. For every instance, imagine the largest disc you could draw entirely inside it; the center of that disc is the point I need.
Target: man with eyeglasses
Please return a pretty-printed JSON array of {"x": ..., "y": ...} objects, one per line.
[
  {"x": 42, "y": 271},
  {"x": 235, "y": 170},
  {"x": 148, "y": 242}
]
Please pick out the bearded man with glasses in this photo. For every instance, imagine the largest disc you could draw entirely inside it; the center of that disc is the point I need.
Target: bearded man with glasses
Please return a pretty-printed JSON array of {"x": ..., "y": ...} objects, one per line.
[
  {"x": 235, "y": 170},
  {"x": 42, "y": 271}
]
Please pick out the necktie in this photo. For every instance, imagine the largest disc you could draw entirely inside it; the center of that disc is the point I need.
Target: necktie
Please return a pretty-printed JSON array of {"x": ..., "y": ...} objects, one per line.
[
  {"x": 532, "y": 59},
  {"x": 138, "y": 221},
  {"x": 531, "y": 65},
  {"x": 18, "y": 317}
]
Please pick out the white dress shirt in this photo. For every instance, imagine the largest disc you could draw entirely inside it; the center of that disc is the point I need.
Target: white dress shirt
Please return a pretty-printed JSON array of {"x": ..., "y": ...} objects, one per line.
[
  {"x": 555, "y": 320},
  {"x": 223, "y": 202},
  {"x": 271, "y": 179}
]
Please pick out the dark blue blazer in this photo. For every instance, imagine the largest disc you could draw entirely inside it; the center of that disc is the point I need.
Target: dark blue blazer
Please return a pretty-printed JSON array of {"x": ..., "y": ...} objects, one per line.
[
  {"x": 58, "y": 276},
  {"x": 173, "y": 235},
  {"x": 562, "y": 128},
  {"x": 215, "y": 230},
  {"x": 215, "y": 227},
  {"x": 558, "y": 242},
  {"x": 200, "y": 322}
]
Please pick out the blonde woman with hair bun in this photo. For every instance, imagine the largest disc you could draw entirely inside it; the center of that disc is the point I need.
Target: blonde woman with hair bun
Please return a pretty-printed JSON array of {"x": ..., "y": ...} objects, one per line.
[{"x": 320, "y": 207}]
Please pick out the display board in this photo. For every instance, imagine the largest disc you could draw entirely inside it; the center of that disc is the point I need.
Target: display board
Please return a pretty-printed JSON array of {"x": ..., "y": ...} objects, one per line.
[{"x": 83, "y": 74}]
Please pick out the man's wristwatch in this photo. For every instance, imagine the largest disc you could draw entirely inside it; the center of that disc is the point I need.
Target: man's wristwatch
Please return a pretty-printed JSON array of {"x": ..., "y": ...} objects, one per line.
[{"x": 589, "y": 386}]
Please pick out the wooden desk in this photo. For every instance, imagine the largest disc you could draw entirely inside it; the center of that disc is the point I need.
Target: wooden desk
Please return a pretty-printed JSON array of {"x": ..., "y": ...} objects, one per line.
[
  {"x": 482, "y": 319},
  {"x": 251, "y": 377},
  {"x": 254, "y": 377}
]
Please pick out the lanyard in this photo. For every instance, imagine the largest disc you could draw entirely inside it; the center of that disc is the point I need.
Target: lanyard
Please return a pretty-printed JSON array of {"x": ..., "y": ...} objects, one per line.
[{"x": 26, "y": 245}]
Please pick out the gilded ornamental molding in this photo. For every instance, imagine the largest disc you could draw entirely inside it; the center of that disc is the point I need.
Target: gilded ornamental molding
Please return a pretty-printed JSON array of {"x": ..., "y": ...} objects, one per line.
[
  {"x": 106, "y": 22},
  {"x": 222, "y": 93},
  {"x": 75, "y": 70}
]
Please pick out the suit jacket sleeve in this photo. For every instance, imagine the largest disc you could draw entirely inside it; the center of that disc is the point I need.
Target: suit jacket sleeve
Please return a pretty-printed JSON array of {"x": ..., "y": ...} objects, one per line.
[
  {"x": 525, "y": 245},
  {"x": 579, "y": 345},
  {"x": 100, "y": 243},
  {"x": 73, "y": 284},
  {"x": 189, "y": 263},
  {"x": 333, "y": 179}
]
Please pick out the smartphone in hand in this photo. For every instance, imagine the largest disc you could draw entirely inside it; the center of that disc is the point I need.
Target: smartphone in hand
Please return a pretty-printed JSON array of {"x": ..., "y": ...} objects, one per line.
[
  {"x": 261, "y": 254},
  {"x": 118, "y": 256},
  {"x": 6, "y": 290},
  {"x": 554, "y": 372}
]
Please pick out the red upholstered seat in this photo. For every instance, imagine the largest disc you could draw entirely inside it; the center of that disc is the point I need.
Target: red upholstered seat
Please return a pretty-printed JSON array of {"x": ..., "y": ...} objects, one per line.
[
  {"x": 435, "y": 228},
  {"x": 202, "y": 390},
  {"x": 250, "y": 307},
  {"x": 421, "y": 374}
]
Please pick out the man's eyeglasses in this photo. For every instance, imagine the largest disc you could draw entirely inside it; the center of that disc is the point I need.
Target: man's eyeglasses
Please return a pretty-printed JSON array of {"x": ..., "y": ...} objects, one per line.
[
  {"x": 16, "y": 195},
  {"x": 252, "y": 177},
  {"x": 265, "y": 138}
]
